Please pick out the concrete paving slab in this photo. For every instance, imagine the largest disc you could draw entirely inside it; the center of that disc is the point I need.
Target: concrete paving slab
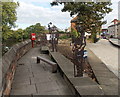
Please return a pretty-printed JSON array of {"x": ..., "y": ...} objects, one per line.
[
  {"x": 22, "y": 67},
  {"x": 63, "y": 63},
  {"x": 65, "y": 91},
  {"x": 82, "y": 81},
  {"x": 61, "y": 83},
  {"x": 40, "y": 80},
  {"x": 55, "y": 76},
  {"x": 89, "y": 90},
  {"x": 40, "y": 73},
  {"x": 23, "y": 90},
  {"x": 108, "y": 81},
  {"x": 21, "y": 81},
  {"x": 47, "y": 87},
  {"x": 60, "y": 59},
  {"x": 54, "y": 92},
  {"x": 27, "y": 74},
  {"x": 99, "y": 67},
  {"x": 36, "y": 79},
  {"x": 105, "y": 73},
  {"x": 69, "y": 74},
  {"x": 110, "y": 89}
]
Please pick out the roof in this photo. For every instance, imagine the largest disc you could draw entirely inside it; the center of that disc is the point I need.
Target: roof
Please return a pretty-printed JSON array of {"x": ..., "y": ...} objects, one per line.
[
  {"x": 111, "y": 26},
  {"x": 74, "y": 19},
  {"x": 115, "y": 20}
]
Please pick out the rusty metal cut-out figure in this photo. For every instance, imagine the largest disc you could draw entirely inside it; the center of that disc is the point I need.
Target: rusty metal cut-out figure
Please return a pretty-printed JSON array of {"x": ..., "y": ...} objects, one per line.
[{"x": 78, "y": 52}]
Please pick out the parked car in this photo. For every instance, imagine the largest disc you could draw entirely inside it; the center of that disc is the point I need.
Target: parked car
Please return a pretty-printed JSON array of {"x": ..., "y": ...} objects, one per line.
[{"x": 5, "y": 49}]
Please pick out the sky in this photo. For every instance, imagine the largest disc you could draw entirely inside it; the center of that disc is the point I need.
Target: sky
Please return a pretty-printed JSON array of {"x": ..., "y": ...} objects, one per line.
[{"x": 31, "y": 12}]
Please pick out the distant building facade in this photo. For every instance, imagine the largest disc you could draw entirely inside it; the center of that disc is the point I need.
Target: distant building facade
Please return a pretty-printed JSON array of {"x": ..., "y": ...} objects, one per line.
[
  {"x": 118, "y": 27},
  {"x": 104, "y": 30},
  {"x": 114, "y": 29}
]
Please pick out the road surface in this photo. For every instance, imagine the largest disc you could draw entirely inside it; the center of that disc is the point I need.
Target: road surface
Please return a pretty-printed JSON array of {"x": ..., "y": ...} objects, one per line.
[{"x": 107, "y": 53}]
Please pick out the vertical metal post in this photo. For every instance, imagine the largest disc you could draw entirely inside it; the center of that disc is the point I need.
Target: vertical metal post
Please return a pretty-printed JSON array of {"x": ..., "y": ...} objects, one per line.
[
  {"x": 38, "y": 60},
  {"x": 32, "y": 44}
]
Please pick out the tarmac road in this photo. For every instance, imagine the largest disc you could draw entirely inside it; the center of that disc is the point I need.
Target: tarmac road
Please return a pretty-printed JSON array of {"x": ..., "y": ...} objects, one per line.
[{"x": 107, "y": 53}]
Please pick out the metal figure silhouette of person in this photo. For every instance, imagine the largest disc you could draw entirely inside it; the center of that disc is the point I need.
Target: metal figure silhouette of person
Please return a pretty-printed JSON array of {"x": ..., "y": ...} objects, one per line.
[
  {"x": 54, "y": 41},
  {"x": 53, "y": 36},
  {"x": 78, "y": 52}
]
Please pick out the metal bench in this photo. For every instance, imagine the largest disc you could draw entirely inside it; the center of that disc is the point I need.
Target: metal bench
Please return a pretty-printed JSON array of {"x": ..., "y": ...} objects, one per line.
[{"x": 53, "y": 64}]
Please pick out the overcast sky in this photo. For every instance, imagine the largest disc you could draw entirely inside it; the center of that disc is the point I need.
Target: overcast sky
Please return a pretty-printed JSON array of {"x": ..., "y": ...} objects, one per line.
[{"x": 31, "y": 12}]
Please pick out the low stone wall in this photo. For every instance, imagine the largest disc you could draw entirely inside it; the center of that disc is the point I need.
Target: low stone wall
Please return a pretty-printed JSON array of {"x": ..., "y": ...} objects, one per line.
[
  {"x": 9, "y": 61},
  {"x": 114, "y": 44}
]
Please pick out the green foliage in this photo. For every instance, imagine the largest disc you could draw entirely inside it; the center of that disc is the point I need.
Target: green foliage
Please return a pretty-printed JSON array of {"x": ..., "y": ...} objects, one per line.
[
  {"x": 64, "y": 37},
  {"x": 74, "y": 33},
  {"x": 18, "y": 35},
  {"x": 88, "y": 13},
  {"x": 37, "y": 28},
  {"x": 8, "y": 18},
  {"x": 62, "y": 32},
  {"x": 9, "y": 13},
  {"x": 7, "y": 33},
  {"x": 25, "y": 34}
]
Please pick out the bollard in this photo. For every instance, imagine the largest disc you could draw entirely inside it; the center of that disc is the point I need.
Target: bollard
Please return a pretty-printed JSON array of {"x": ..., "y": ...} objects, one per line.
[
  {"x": 38, "y": 60},
  {"x": 54, "y": 69}
]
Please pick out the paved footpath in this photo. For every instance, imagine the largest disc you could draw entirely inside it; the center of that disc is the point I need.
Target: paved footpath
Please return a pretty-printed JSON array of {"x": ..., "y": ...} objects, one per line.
[
  {"x": 107, "y": 53},
  {"x": 37, "y": 79}
]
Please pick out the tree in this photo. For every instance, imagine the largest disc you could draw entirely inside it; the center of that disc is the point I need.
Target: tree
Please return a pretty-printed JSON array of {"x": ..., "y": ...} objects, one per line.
[
  {"x": 8, "y": 17},
  {"x": 88, "y": 13},
  {"x": 89, "y": 19},
  {"x": 18, "y": 35},
  {"x": 37, "y": 28}
]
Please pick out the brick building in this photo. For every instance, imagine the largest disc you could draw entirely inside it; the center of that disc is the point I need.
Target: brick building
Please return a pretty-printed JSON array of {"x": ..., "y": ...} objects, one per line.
[{"x": 73, "y": 24}]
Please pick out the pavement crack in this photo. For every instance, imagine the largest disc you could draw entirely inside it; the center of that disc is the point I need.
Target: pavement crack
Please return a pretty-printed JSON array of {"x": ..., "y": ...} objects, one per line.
[
  {"x": 30, "y": 80},
  {"x": 36, "y": 88}
]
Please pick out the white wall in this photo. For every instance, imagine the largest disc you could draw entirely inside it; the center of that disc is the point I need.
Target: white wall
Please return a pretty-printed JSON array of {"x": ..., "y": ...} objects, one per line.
[{"x": 111, "y": 30}]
